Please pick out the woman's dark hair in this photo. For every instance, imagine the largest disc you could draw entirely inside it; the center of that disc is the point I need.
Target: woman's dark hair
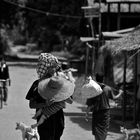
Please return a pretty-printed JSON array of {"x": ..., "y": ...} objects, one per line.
[
  {"x": 64, "y": 65},
  {"x": 59, "y": 68}
]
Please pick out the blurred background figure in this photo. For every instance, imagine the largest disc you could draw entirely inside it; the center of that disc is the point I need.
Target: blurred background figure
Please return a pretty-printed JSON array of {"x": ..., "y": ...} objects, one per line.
[
  {"x": 68, "y": 71},
  {"x": 4, "y": 75},
  {"x": 138, "y": 103},
  {"x": 99, "y": 68}
]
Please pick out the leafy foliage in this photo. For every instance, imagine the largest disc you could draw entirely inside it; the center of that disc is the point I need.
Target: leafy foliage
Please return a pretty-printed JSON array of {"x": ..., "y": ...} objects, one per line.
[
  {"x": 55, "y": 23},
  {"x": 7, "y": 12},
  {"x": 11, "y": 18},
  {"x": 48, "y": 23}
]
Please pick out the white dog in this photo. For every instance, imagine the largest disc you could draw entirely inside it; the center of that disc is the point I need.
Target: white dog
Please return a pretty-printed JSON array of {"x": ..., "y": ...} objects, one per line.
[
  {"x": 131, "y": 134},
  {"x": 27, "y": 132}
]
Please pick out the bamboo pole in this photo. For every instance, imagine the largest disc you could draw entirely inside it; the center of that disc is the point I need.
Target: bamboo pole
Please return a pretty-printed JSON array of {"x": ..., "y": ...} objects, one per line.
[
  {"x": 100, "y": 26},
  {"x": 118, "y": 17},
  {"x": 87, "y": 55},
  {"x": 93, "y": 49}
]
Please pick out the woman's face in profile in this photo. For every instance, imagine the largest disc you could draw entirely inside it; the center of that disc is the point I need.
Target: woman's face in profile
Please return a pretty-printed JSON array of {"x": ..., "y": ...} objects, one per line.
[
  {"x": 88, "y": 79},
  {"x": 51, "y": 70}
]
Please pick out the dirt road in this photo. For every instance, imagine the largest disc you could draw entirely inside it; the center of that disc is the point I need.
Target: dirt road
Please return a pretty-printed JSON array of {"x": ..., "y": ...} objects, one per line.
[{"x": 17, "y": 110}]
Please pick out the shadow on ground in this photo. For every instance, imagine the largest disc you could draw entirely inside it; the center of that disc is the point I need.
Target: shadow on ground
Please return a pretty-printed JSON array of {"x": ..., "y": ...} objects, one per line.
[
  {"x": 115, "y": 126},
  {"x": 79, "y": 118}
]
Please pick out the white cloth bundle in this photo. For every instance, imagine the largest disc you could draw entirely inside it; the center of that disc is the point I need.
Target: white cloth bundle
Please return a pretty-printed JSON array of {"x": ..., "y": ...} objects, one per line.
[{"x": 91, "y": 89}]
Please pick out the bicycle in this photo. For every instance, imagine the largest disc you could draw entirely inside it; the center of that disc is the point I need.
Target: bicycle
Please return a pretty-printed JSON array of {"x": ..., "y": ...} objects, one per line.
[{"x": 3, "y": 83}]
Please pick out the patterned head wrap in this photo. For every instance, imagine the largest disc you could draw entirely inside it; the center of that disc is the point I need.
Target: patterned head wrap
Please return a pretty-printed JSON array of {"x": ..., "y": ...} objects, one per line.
[{"x": 47, "y": 62}]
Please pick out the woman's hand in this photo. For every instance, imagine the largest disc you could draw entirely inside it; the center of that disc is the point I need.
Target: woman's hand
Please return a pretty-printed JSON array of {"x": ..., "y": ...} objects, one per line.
[{"x": 34, "y": 125}]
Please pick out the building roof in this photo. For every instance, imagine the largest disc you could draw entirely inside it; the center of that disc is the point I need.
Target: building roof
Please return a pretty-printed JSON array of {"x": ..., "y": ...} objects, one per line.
[
  {"x": 129, "y": 42},
  {"x": 122, "y": 1},
  {"x": 124, "y": 8}
]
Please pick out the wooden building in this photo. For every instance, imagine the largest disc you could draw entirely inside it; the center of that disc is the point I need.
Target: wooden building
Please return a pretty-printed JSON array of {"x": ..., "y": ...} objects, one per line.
[
  {"x": 129, "y": 48},
  {"x": 115, "y": 15},
  {"x": 118, "y": 14}
]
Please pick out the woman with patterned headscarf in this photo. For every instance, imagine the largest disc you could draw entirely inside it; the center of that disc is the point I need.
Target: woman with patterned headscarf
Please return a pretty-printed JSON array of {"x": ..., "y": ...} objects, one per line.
[{"x": 49, "y": 93}]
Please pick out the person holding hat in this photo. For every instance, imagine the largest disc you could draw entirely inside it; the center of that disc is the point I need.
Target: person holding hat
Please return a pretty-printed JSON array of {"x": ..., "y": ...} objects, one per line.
[
  {"x": 48, "y": 95},
  {"x": 55, "y": 90},
  {"x": 100, "y": 107}
]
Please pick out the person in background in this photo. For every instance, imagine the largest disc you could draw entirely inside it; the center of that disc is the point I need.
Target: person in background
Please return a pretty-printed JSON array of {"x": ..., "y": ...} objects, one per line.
[
  {"x": 4, "y": 75},
  {"x": 99, "y": 68},
  {"x": 100, "y": 108},
  {"x": 138, "y": 103}
]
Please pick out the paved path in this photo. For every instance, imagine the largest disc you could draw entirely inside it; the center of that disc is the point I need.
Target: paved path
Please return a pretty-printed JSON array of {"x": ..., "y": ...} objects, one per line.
[
  {"x": 76, "y": 128},
  {"x": 79, "y": 129}
]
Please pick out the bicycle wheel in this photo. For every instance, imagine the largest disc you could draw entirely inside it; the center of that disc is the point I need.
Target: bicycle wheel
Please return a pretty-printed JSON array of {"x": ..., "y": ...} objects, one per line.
[{"x": 1, "y": 98}]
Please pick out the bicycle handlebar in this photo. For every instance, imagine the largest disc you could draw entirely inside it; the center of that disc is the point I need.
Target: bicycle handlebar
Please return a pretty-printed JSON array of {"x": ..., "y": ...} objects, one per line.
[{"x": 4, "y": 82}]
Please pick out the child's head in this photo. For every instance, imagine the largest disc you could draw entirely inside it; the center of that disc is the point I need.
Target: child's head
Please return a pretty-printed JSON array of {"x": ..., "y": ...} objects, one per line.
[{"x": 47, "y": 65}]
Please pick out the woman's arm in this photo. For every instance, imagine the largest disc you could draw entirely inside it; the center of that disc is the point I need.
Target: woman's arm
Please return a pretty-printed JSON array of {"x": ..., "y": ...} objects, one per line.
[
  {"x": 118, "y": 95},
  {"x": 53, "y": 108},
  {"x": 48, "y": 111},
  {"x": 41, "y": 121},
  {"x": 35, "y": 105}
]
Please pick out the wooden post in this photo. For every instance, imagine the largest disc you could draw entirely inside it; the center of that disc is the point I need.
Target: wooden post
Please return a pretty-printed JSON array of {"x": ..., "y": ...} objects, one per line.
[
  {"x": 118, "y": 17},
  {"x": 108, "y": 18},
  {"x": 135, "y": 87},
  {"x": 90, "y": 12},
  {"x": 99, "y": 30},
  {"x": 124, "y": 88},
  {"x": 100, "y": 27},
  {"x": 129, "y": 8},
  {"x": 87, "y": 56},
  {"x": 93, "y": 50}
]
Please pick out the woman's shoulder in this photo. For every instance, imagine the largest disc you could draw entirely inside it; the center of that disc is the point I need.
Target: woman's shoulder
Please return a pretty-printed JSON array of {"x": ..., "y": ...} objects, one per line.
[
  {"x": 32, "y": 90},
  {"x": 35, "y": 82},
  {"x": 107, "y": 88}
]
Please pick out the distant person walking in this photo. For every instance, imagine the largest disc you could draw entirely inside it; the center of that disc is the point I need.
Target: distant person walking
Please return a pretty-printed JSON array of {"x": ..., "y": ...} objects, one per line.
[
  {"x": 138, "y": 103},
  {"x": 100, "y": 107},
  {"x": 99, "y": 69},
  {"x": 4, "y": 75}
]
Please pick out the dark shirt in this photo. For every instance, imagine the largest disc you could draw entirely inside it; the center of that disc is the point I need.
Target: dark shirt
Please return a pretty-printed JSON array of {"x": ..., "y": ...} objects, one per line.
[
  {"x": 33, "y": 93},
  {"x": 101, "y": 102},
  {"x": 48, "y": 110},
  {"x": 4, "y": 72},
  {"x": 52, "y": 128}
]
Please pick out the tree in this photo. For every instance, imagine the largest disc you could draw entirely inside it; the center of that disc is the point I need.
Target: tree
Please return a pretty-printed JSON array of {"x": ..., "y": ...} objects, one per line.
[
  {"x": 51, "y": 17},
  {"x": 11, "y": 16},
  {"x": 7, "y": 12},
  {"x": 46, "y": 22}
]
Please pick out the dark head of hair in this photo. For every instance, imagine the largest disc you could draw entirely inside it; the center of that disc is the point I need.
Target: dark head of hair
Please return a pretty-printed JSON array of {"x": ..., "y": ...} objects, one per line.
[
  {"x": 59, "y": 67},
  {"x": 65, "y": 65},
  {"x": 2, "y": 57}
]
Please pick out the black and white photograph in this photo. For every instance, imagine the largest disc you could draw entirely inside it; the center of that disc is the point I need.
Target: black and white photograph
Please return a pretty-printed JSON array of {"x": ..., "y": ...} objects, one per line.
[{"x": 69, "y": 69}]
